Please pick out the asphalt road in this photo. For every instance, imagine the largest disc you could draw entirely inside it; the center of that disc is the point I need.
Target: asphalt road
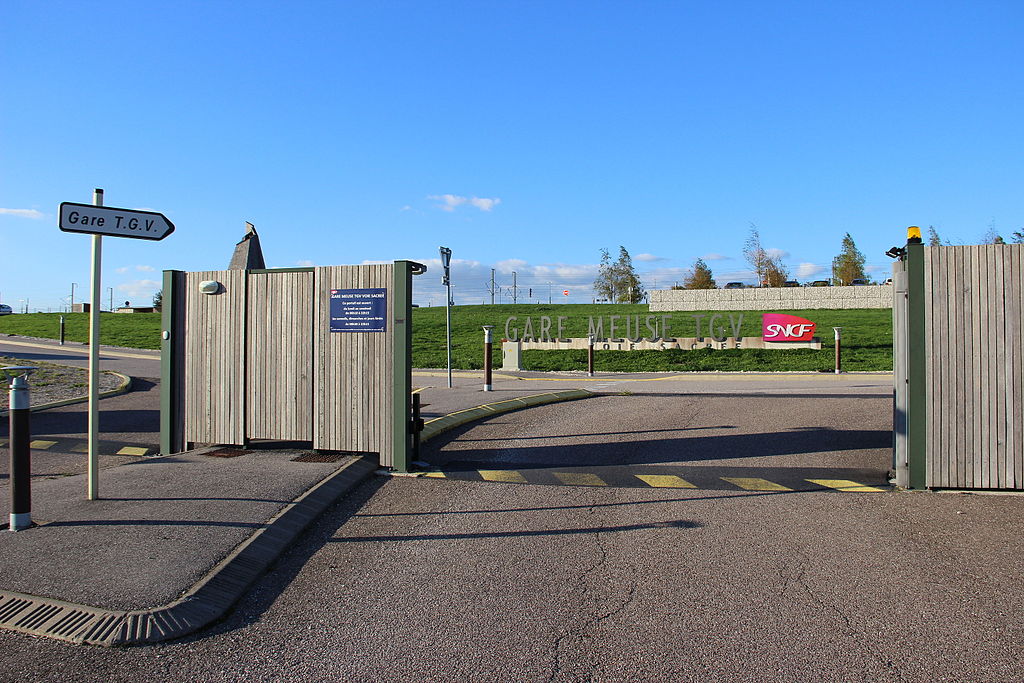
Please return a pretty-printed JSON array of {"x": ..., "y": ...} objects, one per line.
[
  {"x": 447, "y": 579},
  {"x": 132, "y": 362}
]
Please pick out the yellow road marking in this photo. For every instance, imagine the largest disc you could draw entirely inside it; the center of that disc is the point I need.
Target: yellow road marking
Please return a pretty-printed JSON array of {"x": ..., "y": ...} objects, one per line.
[
  {"x": 755, "y": 484},
  {"x": 509, "y": 476},
  {"x": 435, "y": 475},
  {"x": 846, "y": 485},
  {"x": 580, "y": 479},
  {"x": 81, "y": 448},
  {"x": 3, "y": 442},
  {"x": 133, "y": 450},
  {"x": 41, "y": 445},
  {"x": 668, "y": 481}
]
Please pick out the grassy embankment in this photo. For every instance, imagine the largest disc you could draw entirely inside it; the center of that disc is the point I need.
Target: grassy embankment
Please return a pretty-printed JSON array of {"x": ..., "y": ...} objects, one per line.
[
  {"x": 867, "y": 338},
  {"x": 134, "y": 330}
]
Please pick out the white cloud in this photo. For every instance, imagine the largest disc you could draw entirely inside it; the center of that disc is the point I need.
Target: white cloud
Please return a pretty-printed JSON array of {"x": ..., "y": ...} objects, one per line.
[
  {"x": 649, "y": 258},
  {"x": 715, "y": 257},
  {"x": 449, "y": 202},
  {"x": 122, "y": 269},
  {"x": 145, "y": 269},
  {"x": 808, "y": 270},
  {"x": 876, "y": 269},
  {"x": 483, "y": 203},
  {"x": 776, "y": 254},
  {"x": 304, "y": 263},
  {"x": 139, "y": 289},
  {"x": 22, "y": 213},
  {"x": 406, "y": 208},
  {"x": 509, "y": 265}
]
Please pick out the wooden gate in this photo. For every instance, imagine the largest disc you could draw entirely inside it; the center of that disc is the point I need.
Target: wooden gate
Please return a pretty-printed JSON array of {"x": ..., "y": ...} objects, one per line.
[
  {"x": 252, "y": 355},
  {"x": 960, "y": 367}
]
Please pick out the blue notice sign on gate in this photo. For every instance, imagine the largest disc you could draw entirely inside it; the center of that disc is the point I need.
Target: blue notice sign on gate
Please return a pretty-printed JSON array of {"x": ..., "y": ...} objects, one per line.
[{"x": 359, "y": 310}]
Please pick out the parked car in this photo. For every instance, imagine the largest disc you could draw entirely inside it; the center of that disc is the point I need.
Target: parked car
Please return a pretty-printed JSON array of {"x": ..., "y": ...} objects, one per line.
[
  {"x": 734, "y": 285},
  {"x": 821, "y": 283},
  {"x": 858, "y": 282},
  {"x": 790, "y": 283},
  {"x": 5, "y": 309}
]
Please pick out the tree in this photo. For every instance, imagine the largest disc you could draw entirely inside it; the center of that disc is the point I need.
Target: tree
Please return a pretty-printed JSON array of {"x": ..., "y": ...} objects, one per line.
[
  {"x": 604, "y": 285},
  {"x": 775, "y": 274},
  {"x": 1018, "y": 236},
  {"x": 992, "y": 237},
  {"x": 849, "y": 264},
  {"x": 618, "y": 281},
  {"x": 933, "y": 237},
  {"x": 755, "y": 255},
  {"x": 629, "y": 290},
  {"x": 699, "y": 277},
  {"x": 158, "y": 300}
]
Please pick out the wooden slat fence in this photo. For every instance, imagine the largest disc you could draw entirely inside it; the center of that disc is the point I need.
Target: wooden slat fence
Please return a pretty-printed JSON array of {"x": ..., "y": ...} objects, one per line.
[
  {"x": 259, "y": 361},
  {"x": 974, "y": 366}
]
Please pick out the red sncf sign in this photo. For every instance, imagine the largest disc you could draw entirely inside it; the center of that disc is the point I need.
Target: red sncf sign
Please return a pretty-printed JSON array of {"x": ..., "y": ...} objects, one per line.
[{"x": 781, "y": 327}]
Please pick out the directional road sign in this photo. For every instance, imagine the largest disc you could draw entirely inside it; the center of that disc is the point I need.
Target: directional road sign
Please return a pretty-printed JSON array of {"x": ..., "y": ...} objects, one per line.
[{"x": 107, "y": 220}]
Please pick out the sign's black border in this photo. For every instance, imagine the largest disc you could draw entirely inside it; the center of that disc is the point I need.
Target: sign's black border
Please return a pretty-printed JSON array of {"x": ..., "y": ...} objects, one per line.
[{"x": 60, "y": 212}]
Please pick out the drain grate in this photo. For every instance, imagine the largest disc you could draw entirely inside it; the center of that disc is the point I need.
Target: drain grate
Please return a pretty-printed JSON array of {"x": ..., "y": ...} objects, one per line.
[
  {"x": 313, "y": 456},
  {"x": 228, "y": 453}
]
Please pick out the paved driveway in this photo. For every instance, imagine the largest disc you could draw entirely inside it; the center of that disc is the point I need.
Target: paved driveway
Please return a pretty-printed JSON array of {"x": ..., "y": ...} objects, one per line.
[{"x": 448, "y": 579}]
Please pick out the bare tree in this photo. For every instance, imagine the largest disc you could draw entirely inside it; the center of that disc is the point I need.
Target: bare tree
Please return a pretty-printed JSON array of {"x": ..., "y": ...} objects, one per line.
[{"x": 755, "y": 255}]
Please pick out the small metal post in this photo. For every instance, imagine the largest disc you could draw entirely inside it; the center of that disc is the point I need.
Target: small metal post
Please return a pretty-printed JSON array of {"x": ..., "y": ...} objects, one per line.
[
  {"x": 417, "y": 427},
  {"x": 62, "y": 330},
  {"x": 590, "y": 356},
  {"x": 488, "y": 346},
  {"x": 838, "y": 361},
  {"x": 21, "y": 454}
]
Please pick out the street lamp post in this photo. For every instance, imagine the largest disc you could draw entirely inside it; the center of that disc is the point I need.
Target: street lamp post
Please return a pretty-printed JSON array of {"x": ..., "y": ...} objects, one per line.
[{"x": 446, "y": 280}]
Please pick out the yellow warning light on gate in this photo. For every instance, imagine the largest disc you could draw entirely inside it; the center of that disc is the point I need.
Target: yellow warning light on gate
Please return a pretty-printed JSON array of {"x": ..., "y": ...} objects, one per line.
[{"x": 913, "y": 234}]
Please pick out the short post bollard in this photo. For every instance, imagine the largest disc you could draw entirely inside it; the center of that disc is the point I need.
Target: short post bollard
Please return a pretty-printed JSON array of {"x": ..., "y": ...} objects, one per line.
[
  {"x": 838, "y": 358},
  {"x": 20, "y": 437},
  {"x": 590, "y": 356},
  {"x": 488, "y": 346},
  {"x": 62, "y": 330},
  {"x": 417, "y": 427}
]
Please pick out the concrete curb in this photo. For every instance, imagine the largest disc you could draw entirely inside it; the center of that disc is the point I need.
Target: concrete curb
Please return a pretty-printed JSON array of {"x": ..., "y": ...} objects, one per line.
[
  {"x": 123, "y": 388},
  {"x": 208, "y": 600},
  {"x": 440, "y": 425}
]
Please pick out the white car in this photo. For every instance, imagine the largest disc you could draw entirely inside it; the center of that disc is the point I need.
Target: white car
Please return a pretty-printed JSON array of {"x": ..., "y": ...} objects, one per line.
[{"x": 5, "y": 309}]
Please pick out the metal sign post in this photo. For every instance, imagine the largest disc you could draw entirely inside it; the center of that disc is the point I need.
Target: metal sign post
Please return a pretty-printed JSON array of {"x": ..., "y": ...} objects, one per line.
[
  {"x": 97, "y": 220},
  {"x": 94, "y": 361}
]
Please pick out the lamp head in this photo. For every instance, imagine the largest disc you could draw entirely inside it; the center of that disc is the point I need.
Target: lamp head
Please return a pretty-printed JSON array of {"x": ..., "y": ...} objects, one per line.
[{"x": 14, "y": 371}]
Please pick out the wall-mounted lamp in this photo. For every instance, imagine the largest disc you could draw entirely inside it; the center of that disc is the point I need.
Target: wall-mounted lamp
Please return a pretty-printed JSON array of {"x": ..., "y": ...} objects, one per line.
[{"x": 209, "y": 287}]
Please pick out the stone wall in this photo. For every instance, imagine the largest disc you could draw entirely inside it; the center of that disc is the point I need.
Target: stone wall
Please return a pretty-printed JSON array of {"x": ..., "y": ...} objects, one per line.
[{"x": 771, "y": 298}]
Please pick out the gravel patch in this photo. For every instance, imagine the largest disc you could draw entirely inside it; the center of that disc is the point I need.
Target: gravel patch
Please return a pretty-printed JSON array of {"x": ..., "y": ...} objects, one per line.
[{"x": 55, "y": 382}]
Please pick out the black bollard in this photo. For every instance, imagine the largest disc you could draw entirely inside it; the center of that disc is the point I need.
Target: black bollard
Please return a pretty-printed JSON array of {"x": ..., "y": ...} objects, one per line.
[{"x": 20, "y": 438}]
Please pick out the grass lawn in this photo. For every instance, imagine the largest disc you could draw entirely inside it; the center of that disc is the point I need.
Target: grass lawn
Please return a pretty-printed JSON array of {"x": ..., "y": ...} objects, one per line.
[
  {"x": 134, "y": 330},
  {"x": 867, "y": 337}
]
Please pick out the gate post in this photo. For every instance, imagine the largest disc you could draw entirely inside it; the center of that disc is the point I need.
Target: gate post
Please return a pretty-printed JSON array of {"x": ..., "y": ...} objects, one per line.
[
  {"x": 917, "y": 380},
  {"x": 172, "y": 306},
  {"x": 402, "y": 364}
]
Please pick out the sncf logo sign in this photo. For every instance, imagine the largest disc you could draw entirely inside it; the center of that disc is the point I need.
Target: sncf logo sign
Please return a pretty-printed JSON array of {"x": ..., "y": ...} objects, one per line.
[{"x": 782, "y": 327}]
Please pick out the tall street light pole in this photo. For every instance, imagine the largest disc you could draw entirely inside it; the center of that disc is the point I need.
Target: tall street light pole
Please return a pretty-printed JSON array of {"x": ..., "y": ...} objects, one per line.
[{"x": 446, "y": 280}]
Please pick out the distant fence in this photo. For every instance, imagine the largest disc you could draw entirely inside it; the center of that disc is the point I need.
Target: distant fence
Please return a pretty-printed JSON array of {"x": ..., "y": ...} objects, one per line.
[
  {"x": 962, "y": 345},
  {"x": 773, "y": 298},
  {"x": 272, "y": 354}
]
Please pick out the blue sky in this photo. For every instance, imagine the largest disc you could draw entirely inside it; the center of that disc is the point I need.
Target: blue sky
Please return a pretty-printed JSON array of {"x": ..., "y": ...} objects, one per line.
[{"x": 525, "y": 136}]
